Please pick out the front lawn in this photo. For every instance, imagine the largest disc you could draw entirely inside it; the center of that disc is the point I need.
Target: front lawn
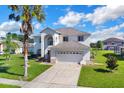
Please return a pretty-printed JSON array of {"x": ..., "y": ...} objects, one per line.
[
  {"x": 8, "y": 86},
  {"x": 97, "y": 76},
  {"x": 14, "y": 68}
]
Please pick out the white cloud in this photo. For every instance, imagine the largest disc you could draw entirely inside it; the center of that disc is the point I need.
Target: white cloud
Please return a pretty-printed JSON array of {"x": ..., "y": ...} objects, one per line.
[
  {"x": 37, "y": 26},
  {"x": 10, "y": 26},
  {"x": 105, "y": 13},
  {"x": 68, "y": 8},
  {"x": 70, "y": 19},
  {"x": 107, "y": 33},
  {"x": 82, "y": 25},
  {"x": 45, "y": 6}
]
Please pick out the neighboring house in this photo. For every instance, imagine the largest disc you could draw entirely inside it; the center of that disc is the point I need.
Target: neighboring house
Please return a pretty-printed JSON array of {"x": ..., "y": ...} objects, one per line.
[
  {"x": 1, "y": 47},
  {"x": 115, "y": 44},
  {"x": 20, "y": 49},
  {"x": 62, "y": 45},
  {"x": 31, "y": 47}
]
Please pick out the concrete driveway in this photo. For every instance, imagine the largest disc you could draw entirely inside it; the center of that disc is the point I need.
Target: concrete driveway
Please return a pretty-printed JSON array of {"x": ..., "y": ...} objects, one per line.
[{"x": 61, "y": 75}]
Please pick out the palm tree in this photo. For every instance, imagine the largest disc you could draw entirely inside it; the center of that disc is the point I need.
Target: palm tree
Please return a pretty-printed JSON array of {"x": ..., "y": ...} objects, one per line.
[
  {"x": 26, "y": 14},
  {"x": 9, "y": 46}
]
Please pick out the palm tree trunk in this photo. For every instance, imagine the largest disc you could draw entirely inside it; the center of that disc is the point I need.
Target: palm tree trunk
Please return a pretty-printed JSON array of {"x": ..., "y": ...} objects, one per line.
[
  {"x": 25, "y": 66},
  {"x": 25, "y": 57}
]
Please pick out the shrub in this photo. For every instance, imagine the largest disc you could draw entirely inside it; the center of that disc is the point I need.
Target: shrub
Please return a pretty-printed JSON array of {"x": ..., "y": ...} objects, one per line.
[
  {"x": 111, "y": 63},
  {"x": 93, "y": 54}
]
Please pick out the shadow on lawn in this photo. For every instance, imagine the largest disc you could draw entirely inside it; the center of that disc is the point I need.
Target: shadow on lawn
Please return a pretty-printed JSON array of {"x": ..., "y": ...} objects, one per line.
[
  {"x": 1, "y": 63},
  {"x": 5, "y": 70},
  {"x": 101, "y": 70},
  {"x": 29, "y": 57},
  {"x": 2, "y": 59}
]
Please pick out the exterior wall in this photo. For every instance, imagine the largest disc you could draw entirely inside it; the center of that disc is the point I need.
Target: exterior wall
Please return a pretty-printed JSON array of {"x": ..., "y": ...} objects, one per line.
[
  {"x": 37, "y": 44},
  {"x": 44, "y": 46},
  {"x": 1, "y": 47},
  {"x": 56, "y": 39},
  {"x": 86, "y": 58},
  {"x": 53, "y": 57},
  {"x": 18, "y": 51},
  {"x": 75, "y": 38},
  {"x": 110, "y": 44}
]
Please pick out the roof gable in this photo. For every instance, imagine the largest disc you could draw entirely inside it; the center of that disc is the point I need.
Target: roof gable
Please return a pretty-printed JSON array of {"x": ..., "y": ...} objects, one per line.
[
  {"x": 48, "y": 30},
  {"x": 113, "y": 40}
]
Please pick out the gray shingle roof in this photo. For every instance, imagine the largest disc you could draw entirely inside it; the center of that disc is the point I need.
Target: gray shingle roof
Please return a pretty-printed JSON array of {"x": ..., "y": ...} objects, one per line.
[
  {"x": 70, "y": 46},
  {"x": 70, "y": 31},
  {"x": 113, "y": 40},
  {"x": 67, "y": 31}
]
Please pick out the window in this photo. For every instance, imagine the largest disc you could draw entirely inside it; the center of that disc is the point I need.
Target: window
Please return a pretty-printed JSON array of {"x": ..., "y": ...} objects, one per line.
[
  {"x": 113, "y": 43},
  {"x": 122, "y": 43},
  {"x": 80, "y": 38},
  {"x": 65, "y": 38},
  {"x": 50, "y": 41}
]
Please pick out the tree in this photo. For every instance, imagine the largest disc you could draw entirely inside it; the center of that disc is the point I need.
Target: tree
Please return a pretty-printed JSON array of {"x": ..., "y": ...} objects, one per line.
[
  {"x": 99, "y": 45},
  {"x": 93, "y": 45},
  {"x": 111, "y": 63},
  {"x": 25, "y": 14},
  {"x": 9, "y": 46},
  {"x": 14, "y": 36}
]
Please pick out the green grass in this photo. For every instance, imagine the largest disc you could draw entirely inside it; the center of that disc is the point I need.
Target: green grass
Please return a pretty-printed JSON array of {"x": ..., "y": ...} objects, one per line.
[
  {"x": 8, "y": 86},
  {"x": 100, "y": 58},
  {"x": 14, "y": 68},
  {"x": 97, "y": 76}
]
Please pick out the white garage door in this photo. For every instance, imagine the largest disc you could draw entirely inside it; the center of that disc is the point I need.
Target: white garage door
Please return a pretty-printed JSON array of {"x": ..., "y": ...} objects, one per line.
[{"x": 69, "y": 56}]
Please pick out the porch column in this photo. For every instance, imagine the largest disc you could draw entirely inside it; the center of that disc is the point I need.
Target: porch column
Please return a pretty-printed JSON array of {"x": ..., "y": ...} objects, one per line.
[{"x": 42, "y": 44}]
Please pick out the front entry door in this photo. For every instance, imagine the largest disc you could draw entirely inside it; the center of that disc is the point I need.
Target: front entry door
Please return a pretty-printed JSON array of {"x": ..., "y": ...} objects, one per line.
[{"x": 47, "y": 56}]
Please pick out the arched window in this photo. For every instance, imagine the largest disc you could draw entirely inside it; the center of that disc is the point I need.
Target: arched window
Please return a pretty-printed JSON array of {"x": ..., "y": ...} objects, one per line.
[{"x": 50, "y": 41}]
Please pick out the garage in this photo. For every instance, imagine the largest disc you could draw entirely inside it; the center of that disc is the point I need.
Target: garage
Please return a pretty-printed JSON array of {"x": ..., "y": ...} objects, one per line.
[
  {"x": 68, "y": 52},
  {"x": 70, "y": 56}
]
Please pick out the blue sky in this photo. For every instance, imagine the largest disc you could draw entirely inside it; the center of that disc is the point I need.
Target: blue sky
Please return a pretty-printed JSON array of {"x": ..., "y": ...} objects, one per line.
[{"x": 101, "y": 21}]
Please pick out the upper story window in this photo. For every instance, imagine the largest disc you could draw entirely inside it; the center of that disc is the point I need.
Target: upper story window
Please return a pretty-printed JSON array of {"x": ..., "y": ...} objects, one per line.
[
  {"x": 122, "y": 43},
  {"x": 65, "y": 38},
  {"x": 80, "y": 38},
  {"x": 112, "y": 43}
]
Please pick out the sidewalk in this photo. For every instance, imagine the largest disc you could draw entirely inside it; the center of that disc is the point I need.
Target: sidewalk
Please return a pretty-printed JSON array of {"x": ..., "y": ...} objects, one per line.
[{"x": 12, "y": 82}]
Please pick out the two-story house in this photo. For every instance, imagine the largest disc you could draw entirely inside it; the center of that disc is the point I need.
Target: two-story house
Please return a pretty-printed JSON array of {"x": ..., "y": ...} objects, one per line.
[
  {"x": 114, "y": 44},
  {"x": 62, "y": 45}
]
